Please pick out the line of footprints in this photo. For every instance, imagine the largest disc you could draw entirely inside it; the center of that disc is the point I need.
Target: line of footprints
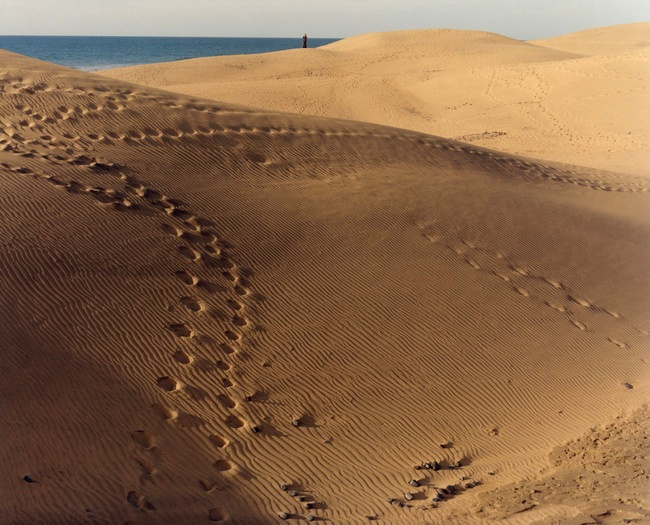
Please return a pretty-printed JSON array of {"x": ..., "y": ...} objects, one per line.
[
  {"x": 551, "y": 293},
  {"x": 198, "y": 245},
  {"x": 527, "y": 169},
  {"x": 114, "y": 100}
]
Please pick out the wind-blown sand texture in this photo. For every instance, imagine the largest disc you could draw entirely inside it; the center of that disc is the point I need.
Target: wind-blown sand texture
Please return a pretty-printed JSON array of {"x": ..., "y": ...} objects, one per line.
[
  {"x": 220, "y": 314},
  {"x": 580, "y": 98}
]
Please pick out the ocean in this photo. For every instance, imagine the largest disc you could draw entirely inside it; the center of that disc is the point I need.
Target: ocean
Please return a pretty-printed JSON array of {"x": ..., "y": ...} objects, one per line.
[{"x": 90, "y": 53}]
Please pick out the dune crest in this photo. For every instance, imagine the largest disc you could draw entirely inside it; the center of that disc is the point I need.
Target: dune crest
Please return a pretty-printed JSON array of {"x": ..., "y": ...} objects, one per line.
[
  {"x": 213, "y": 313},
  {"x": 547, "y": 99},
  {"x": 609, "y": 40}
]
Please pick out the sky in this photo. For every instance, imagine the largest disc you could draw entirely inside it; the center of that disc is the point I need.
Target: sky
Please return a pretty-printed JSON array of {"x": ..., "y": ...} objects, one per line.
[{"x": 522, "y": 19}]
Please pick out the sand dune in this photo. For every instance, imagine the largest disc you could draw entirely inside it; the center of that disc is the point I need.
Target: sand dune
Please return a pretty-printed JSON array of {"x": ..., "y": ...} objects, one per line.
[
  {"x": 220, "y": 314},
  {"x": 525, "y": 98},
  {"x": 609, "y": 40},
  {"x": 600, "y": 477}
]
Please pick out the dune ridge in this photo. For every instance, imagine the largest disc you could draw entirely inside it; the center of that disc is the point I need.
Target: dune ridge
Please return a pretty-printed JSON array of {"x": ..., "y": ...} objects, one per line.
[
  {"x": 579, "y": 99},
  {"x": 608, "y": 40},
  {"x": 223, "y": 314}
]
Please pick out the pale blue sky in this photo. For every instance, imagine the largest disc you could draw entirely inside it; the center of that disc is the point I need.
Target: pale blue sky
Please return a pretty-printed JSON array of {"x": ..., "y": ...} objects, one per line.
[{"x": 523, "y": 19}]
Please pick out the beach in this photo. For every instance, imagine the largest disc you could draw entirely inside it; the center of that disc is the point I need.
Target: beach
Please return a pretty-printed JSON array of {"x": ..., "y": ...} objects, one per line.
[{"x": 398, "y": 279}]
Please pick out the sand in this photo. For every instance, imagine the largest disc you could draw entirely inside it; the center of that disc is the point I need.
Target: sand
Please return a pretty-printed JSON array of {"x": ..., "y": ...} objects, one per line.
[
  {"x": 213, "y": 313},
  {"x": 600, "y": 477},
  {"x": 580, "y": 99}
]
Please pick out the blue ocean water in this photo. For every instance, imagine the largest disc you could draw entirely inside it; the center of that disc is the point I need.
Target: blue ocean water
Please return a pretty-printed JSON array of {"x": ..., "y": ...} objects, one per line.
[{"x": 90, "y": 53}]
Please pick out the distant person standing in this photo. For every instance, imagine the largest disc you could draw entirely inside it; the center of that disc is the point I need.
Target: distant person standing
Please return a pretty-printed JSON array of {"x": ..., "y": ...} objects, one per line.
[{"x": 304, "y": 41}]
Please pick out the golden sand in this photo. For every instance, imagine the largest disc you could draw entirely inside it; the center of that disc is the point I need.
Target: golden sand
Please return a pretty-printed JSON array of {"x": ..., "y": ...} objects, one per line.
[
  {"x": 213, "y": 313},
  {"x": 580, "y": 98}
]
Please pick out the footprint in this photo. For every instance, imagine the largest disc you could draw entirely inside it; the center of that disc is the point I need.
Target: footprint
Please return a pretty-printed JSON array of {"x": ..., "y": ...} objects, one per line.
[
  {"x": 234, "y": 422},
  {"x": 208, "y": 237},
  {"x": 138, "y": 191},
  {"x": 227, "y": 383},
  {"x": 75, "y": 187},
  {"x": 431, "y": 237},
  {"x": 181, "y": 330},
  {"x": 473, "y": 264},
  {"x": 148, "y": 469},
  {"x": 207, "y": 484},
  {"x": 222, "y": 465},
  {"x": 189, "y": 253},
  {"x": 578, "y": 300},
  {"x": 240, "y": 290},
  {"x": 165, "y": 413},
  {"x": 212, "y": 250},
  {"x": 191, "y": 304},
  {"x": 522, "y": 291},
  {"x": 226, "y": 401},
  {"x": 138, "y": 501},
  {"x": 618, "y": 343},
  {"x": 232, "y": 335},
  {"x": 171, "y": 230},
  {"x": 143, "y": 439},
  {"x": 188, "y": 279},
  {"x": 227, "y": 348},
  {"x": 229, "y": 276},
  {"x": 182, "y": 358},
  {"x": 555, "y": 306},
  {"x": 151, "y": 195},
  {"x": 239, "y": 321},
  {"x": 615, "y": 315},
  {"x": 216, "y": 514},
  {"x": 167, "y": 383},
  {"x": 218, "y": 441},
  {"x": 193, "y": 224},
  {"x": 82, "y": 160},
  {"x": 180, "y": 213},
  {"x": 226, "y": 263},
  {"x": 520, "y": 271},
  {"x": 235, "y": 305},
  {"x": 553, "y": 282},
  {"x": 102, "y": 195},
  {"x": 223, "y": 366},
  {"x": 578, "y": 324}
]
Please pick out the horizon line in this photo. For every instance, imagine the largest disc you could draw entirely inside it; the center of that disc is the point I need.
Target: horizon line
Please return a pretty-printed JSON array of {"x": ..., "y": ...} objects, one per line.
[{"x": 174, "y": 36}]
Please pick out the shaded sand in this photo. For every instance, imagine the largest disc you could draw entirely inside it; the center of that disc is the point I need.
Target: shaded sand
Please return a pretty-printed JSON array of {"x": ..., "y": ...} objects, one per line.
[
  {"x": 219, "y": 314},
  {"x": 581, "y": 98}
]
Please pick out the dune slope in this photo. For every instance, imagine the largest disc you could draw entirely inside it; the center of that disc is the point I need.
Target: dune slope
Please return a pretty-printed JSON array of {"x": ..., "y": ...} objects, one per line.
[
  {"x": 601, "y": 476},
  {"x": 524, "y": 98},
  {"x": 608, "y": 40},
  {"x": 219, "y": 314}
]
